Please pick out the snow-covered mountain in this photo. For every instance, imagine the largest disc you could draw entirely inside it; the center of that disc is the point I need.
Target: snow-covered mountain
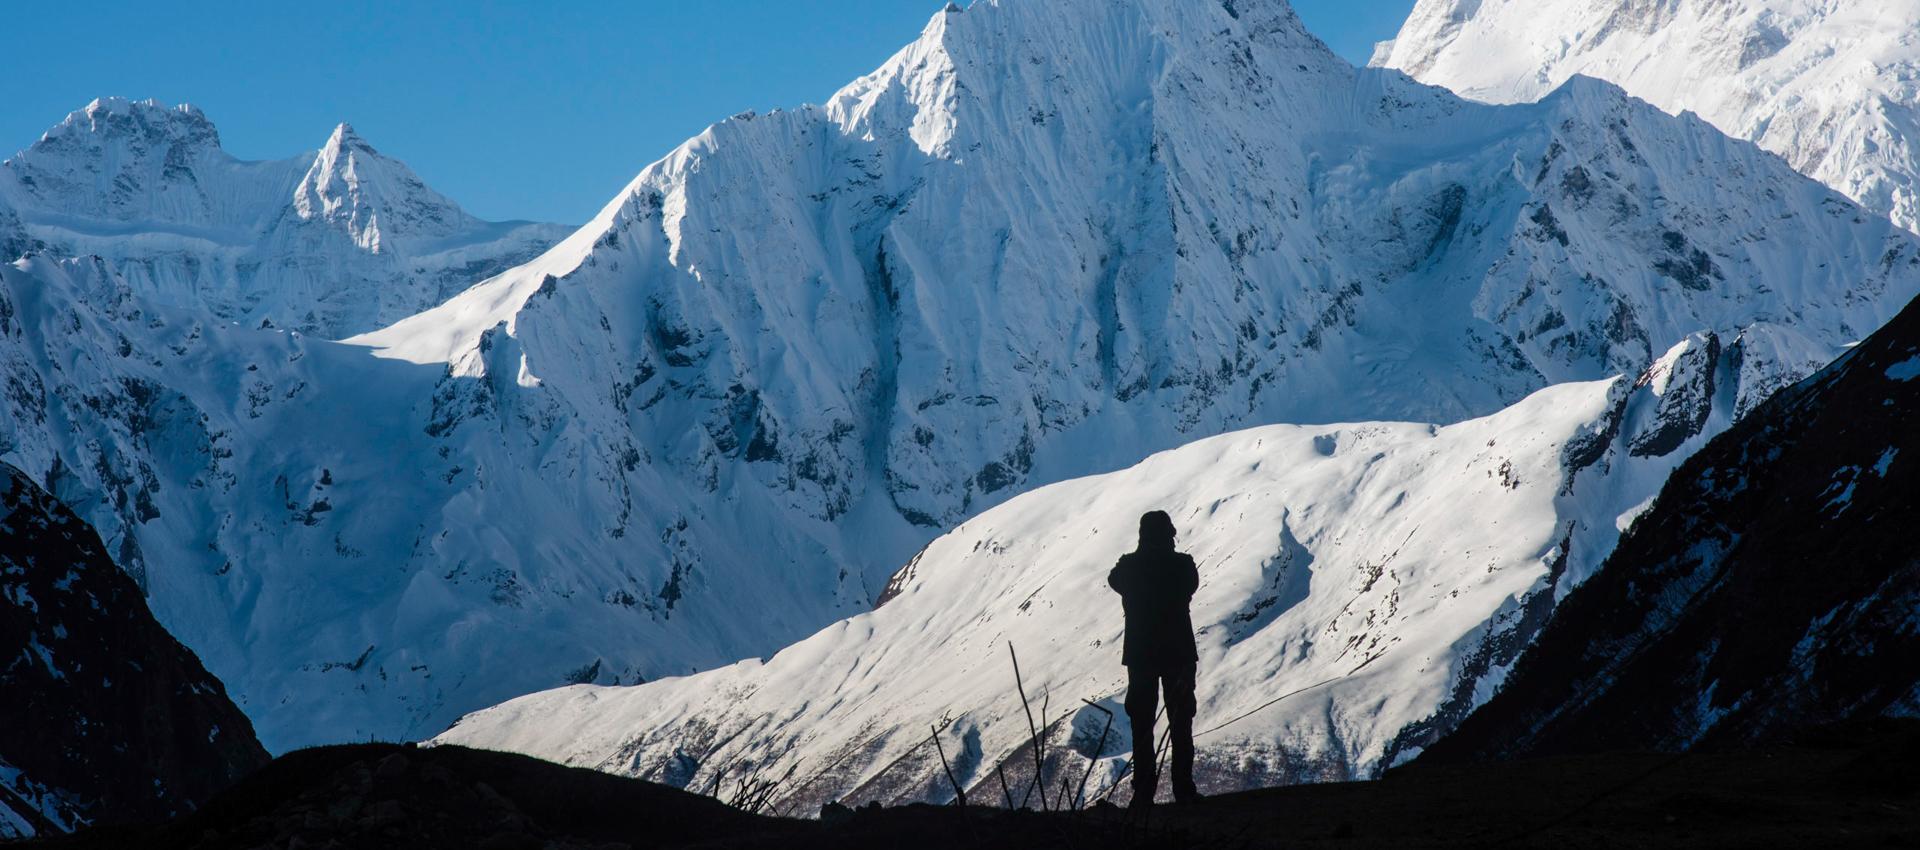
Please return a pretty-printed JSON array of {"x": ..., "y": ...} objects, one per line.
[
  {"x": 1046, "y": 239},
  {"x": 1834, "y": 87},
  {"x": 1288, "y": 239},
  {"x": 106, "y": 718},
  {"x": 332, "y": 242},
  {"x": 1382, "y": 574}
]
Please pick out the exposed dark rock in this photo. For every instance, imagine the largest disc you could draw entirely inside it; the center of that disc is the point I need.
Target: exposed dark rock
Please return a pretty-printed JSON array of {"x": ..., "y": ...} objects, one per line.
[
  {"x": 104, "y": 715},
  {"x": 1686, "y": 401}
]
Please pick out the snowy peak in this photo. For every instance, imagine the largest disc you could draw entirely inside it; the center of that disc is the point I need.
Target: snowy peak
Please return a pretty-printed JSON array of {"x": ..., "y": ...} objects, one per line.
[
  {"x": 1826, "y": 85},
  {"x": 1024, "y": 61},
  {"x": 108, "y": 116},
  {"x": 373, "y": 197},
  {"x": 332, "y": 242},
  {"x": 123, "y": 161},
  {"x": 344, "y": 137}
]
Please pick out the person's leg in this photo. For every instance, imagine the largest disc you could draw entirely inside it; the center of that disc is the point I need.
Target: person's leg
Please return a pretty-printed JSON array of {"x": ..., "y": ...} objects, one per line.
[
  {"x": 1142, "y": 704},
  {"x": 1180, "y": 711}
]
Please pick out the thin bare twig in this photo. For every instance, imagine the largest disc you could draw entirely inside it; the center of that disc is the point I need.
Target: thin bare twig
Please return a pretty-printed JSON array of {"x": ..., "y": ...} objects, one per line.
[
  {"x": 959, "y": 793},
  {"x": 1032, "y": 730},
  {"x": 1040, "y": 746},
  {"x": 1080, "y": 796}
]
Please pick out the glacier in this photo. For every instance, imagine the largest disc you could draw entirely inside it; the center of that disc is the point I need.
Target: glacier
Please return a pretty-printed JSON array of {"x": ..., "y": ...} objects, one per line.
[
  {"x": 1829, "y": 86},
  {"x": 1045, "y": 240}
]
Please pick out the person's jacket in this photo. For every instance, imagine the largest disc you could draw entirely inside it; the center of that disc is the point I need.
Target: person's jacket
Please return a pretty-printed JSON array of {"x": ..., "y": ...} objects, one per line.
[{"x": 1154, "y": 589}]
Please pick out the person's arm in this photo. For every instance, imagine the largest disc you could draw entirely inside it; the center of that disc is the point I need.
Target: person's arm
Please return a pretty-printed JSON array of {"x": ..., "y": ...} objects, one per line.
[
  {"x": 1120, "y": 578},
  {"x": 1190, "y": 577}
]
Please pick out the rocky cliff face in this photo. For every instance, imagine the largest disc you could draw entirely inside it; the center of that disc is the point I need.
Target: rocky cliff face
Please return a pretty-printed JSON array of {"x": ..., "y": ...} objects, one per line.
[
  {"x": 106, "y": 718},
  {"x": 1829, "y": 86},
  {"x": 332, "y": 243},
  {"x": 1773, "y": 586}
]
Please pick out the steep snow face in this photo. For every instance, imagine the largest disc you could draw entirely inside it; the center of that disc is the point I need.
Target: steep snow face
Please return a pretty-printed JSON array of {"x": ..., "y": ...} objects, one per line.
[
  {"x": 307, "y": 518},
  {"x": 1361, "y": 586},
  {"x": 1045, "y": 240},
  {"x": 1830, "y": 86},
  {"x": 1048, "y": 238},
  {"x": 332, "y": 243}
]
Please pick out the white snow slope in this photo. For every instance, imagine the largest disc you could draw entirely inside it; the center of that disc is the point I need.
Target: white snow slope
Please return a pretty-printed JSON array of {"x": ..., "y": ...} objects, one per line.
[
  {"x": 1831, "y": 85},
  {"x": 1385, "y": 574},
  {"x": 332, "y": 242},
  {"x": 1044, "y": 240}
]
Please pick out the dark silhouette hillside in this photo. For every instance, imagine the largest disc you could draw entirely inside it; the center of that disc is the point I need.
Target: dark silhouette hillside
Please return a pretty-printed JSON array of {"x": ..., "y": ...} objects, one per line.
[
  {"x": 104, "y": 717},
  {"x": 393, "y": 796}
]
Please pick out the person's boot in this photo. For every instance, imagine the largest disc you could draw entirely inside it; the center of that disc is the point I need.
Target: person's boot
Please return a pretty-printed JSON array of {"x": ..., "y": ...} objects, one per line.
[
  {"x": 1184, "y": 790},
  {"x": 1143, "y": 793}
]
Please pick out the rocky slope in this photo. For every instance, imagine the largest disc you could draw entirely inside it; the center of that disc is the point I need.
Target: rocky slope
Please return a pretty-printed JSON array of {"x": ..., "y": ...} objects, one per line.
[
  {"x": 1044, "y": 240},
  {"x": 1774, "y": 586},
  {"x": 1830, "y": 86},
  {"x": 105, "y": 717},
  {"x": 332, "y": 242}
]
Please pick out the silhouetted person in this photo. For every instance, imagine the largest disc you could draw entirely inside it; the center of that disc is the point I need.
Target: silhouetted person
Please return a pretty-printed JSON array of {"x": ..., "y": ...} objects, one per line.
[{"x": 1155, "y": 584}]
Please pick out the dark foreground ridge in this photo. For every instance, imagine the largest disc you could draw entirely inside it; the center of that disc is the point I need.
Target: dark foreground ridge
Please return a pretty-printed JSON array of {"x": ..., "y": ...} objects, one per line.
[
  {"x": 103, "y": 715},
  {"x": 1848, "y": 787}
]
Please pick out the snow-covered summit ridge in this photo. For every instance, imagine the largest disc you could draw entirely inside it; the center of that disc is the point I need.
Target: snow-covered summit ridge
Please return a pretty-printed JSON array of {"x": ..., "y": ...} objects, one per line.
[
  {"x": 1177, "y": 209},
  {"x": 880, "y": 139},
  {"x": 1834, "y": 87},
  {"x": 331, "y": 242}
]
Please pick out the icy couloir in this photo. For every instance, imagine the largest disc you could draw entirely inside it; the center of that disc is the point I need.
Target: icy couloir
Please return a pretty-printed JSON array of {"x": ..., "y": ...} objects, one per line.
[
  {"x": 1046, "y": 239},
  {"x": 1829, "y": 86},
  {"x": 332, "y": 242}
]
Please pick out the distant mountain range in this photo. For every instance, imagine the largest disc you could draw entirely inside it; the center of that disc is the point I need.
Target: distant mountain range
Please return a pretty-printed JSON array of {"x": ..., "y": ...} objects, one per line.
[
  {"x": 1044, "y": 241},
  {"x": 330, "y": 242}
]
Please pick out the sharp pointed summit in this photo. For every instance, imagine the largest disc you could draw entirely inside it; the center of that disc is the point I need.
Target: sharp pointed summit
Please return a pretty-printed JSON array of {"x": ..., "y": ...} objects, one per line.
[
  {"x": 333, "y": 242},
  {"x": 378, "y": 201}
]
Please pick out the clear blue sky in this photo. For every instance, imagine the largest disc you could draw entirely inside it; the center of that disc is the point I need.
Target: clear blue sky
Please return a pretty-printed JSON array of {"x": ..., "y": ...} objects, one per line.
[{"x": 514, "y": 108}]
